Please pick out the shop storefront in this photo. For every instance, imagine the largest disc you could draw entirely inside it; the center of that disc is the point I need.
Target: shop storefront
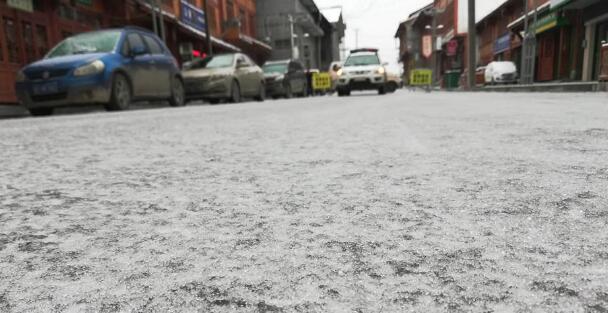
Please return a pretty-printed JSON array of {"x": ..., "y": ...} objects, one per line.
[{"x": 595, "y": 18}]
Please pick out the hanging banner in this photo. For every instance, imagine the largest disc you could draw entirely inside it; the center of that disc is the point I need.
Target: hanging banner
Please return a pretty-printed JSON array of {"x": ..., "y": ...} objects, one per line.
[
  {"x": 427, "y": 46},
  {"x": 452, "y": 49}
]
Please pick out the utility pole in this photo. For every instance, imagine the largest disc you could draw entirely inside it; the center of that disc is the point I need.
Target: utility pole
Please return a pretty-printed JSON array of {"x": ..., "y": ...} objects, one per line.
[
  {"x": 434, "y": 73},
  {"x": 209, "y": 44},
  {"x": 291, "y": 36},
  {"x": 472, "y": 45},
  {"x": 155, "y": 7},
  {"x": 528, "y": 61},
  {"x": 154, "y": 21}
]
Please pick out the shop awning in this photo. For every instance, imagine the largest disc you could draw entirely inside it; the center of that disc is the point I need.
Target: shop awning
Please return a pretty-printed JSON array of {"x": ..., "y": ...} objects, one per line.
[
  {"x": 520, "y": 20},
  {"x": 214, "y": 40},
  {"x": 191, "y": 29},
  {"x": 556, "y": 4},
  {"x": 548, "y": 22}
]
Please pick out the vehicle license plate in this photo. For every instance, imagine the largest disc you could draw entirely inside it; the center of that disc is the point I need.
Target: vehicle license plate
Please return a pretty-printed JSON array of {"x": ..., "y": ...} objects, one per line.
[{"x": 46, "y": 88}]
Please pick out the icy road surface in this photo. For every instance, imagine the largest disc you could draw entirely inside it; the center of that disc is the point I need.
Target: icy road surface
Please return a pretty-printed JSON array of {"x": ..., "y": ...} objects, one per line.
[{"x": 445, "y": 202}]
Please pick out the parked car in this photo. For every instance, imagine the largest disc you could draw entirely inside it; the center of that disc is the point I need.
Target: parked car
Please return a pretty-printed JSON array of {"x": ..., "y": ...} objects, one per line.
[
  {"x": 362, "y": 71},
  {"x": 111, "y": 67},
  {"x": 285, "y": 79},
  {"x": 224, "y": 77},
  {"x": 503, "y": 72},
  {"x": 480, "y": 79}
]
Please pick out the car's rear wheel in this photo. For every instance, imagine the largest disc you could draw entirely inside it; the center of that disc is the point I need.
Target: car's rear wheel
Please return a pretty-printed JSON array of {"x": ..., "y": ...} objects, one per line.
[
  {"x": 261, "y": 93},
  {"x": 178, "y": 94},
  {"x": 235, "y": 92},
  {"x": 304, "y": 93},
  {"x": 121, "y": 94},
  {"x": 41, "y": 111}
]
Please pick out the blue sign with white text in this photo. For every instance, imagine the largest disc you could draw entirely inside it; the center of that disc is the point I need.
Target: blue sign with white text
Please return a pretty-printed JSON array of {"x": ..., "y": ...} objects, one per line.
[
  {"x": 502, "y": 44},
  {"x": 193, "y": 16}
]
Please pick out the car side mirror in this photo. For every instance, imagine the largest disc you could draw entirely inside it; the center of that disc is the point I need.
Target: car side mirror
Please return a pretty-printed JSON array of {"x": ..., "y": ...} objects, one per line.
[{"x": 137, "y": 51}]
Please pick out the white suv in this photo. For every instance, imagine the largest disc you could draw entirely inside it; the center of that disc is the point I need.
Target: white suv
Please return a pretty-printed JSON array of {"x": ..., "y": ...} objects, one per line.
[{"x": 362, "y": 71}]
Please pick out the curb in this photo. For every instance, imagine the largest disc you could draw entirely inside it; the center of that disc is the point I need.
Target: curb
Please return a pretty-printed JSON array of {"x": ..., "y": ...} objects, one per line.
[{"x": 12, "y": 111}]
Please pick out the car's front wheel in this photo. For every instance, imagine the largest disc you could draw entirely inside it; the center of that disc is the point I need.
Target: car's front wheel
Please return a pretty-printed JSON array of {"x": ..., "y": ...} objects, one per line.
[
  {"x": 261, "y": 93},
  {"x": 178, "y": 94},
  {"x": 382, "y": 90},
  {"x": 235, "y": 92},
  {"x": 288, "y": 91},
  {"x": 343, "y": 93},
  {"x": 41, "y": 111},
  {"x": 121, "y": 94}
]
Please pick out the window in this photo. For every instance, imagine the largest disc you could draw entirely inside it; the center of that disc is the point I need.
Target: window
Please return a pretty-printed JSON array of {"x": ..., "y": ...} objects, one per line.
[
  {"x": 11, "y": 40},
  {"x": 42, "y": 41},
  {"x": 153, "y": 45},
  {"x": 28, "y": 42},
  {"x": 135, "y": 41},
  {"x": 218, "y": 61},
  {"x": 125, "y": 50},
  {"x": 96, "y": 42}
]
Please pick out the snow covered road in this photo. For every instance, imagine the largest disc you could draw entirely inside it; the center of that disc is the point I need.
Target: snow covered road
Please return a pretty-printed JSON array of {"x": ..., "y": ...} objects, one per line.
[{"x": 409, "y": 202}]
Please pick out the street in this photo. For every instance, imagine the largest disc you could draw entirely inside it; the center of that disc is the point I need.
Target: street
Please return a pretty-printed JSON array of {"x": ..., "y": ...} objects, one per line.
[{"x": 441, "y": 202}]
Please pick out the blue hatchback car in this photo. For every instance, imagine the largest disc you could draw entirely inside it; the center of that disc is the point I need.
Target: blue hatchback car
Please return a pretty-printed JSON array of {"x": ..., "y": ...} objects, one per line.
[{"x": 111, "y": 67}]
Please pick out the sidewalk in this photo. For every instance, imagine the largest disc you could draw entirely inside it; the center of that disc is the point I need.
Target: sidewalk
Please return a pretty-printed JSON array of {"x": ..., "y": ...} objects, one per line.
[
  {"x": 12, "y": 111},
  {"x": 549, "y": 87}
]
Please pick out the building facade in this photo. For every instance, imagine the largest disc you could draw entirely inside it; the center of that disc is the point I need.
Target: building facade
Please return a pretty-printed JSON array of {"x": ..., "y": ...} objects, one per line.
[
  {"x": 29, "y": 28},
  {"x": 297, "y": 29},
  {"x": 410, "y": 34}
]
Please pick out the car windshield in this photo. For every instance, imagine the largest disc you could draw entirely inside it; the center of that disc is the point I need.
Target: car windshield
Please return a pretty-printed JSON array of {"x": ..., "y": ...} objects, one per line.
[
  {"x": 218, "y": 61},
  {"x": 96, "y": 42},
  {"x": 280, "y": 68},
  {"x": 359, "y": 60}
]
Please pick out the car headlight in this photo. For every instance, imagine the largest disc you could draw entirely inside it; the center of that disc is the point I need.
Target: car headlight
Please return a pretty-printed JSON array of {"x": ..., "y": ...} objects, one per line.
[
  {"x": 20, "y": 77},
  {"x": 380, "y": 70},
  {"x": 92, "y": 68},
  {"x": 280, "y": 77},
  {"x": 340, "y": 72}
]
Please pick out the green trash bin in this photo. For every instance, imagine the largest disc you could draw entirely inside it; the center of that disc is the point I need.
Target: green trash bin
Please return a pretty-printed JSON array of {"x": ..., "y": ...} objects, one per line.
[{"x": 452, "y": 79}]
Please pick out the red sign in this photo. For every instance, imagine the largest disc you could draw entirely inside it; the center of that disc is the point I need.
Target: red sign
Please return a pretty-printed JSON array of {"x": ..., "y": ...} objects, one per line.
[
  {"x": 452, "y": 47},
  {"x": 427, "y": 46}
]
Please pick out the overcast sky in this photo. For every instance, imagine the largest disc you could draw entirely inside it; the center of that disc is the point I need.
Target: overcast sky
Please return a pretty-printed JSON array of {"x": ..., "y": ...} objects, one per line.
[{"x": 377, "y": 20}]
